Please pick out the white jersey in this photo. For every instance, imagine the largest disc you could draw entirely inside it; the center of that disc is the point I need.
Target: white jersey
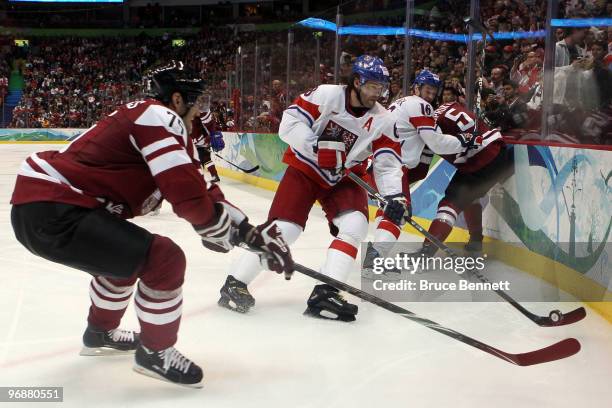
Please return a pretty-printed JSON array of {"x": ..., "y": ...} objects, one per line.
[
  {"x": 325, "y": 109},
  {"x": 412, "y": 119}
]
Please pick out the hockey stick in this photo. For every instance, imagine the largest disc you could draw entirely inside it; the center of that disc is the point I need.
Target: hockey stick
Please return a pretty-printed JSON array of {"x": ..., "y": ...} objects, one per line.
[
  {"x": 236, "y": 166},
  {"x": 560, "y": 350},
  {"x": 554, "y": 318}
]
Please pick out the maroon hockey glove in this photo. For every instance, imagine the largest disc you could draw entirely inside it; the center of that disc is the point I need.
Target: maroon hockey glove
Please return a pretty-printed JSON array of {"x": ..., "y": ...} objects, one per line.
[
  {"x": 330, "y": 153},
  {"x": 216, "y": 235},
  {"x": 273, "y": 251}
]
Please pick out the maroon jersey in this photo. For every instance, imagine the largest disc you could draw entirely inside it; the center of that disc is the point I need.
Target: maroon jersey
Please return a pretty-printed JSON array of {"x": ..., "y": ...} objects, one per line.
[
  {"x": 201, "y": 129},
  {"x": 128, "y": 162},
  {"x": 453, "y": 119}
]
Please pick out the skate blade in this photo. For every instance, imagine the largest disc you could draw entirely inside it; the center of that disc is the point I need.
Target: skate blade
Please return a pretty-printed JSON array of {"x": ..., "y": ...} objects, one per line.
[
  {"x": 104, "y": 351},
  {"x": 144, "y": 371},
  {"x": 231, "y": 305},
  {"x": 327, "y": 315}
]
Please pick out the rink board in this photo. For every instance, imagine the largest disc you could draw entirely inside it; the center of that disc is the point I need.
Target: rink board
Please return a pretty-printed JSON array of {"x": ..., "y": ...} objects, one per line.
[
  {"x": 529, "y": 216},
  {"x": 533, "y": 212}
]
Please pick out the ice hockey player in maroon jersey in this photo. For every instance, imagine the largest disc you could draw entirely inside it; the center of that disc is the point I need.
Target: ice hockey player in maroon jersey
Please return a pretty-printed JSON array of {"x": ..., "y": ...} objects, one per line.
[
  {"x": 478, "y": 170},
  {"x": 71, "y": 207},
  {"x": 207, "y": 138}
]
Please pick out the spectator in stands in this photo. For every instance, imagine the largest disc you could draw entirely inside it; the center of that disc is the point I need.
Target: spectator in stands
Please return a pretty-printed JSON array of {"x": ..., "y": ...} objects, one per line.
[
  {"x": 526, "y": 71},
  {"x": 568, "y": 49},
  {"x": 498, "y": 75},
  {"x": 509, "y": 112},
  {"x": 395, "y": 92},
  {"x": 450, "y": 94}
]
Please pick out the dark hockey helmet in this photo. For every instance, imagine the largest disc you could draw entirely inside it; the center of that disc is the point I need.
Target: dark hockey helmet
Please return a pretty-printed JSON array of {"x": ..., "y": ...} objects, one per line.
[{"x": 163, "y": 81}]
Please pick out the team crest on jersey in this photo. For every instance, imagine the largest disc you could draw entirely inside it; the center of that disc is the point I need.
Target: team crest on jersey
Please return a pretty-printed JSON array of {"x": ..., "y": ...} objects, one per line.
[{"x": 337, "y": 132}]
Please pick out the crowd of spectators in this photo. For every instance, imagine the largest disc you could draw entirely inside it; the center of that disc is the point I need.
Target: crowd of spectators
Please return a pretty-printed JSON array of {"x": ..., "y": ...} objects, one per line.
[
  {"x": 512, "y": 73},
  {"x": 71, "y": 82}
]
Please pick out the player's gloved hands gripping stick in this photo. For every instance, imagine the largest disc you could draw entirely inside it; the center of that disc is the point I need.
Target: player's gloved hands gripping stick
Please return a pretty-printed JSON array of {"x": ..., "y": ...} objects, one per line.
[
  {"x": 470, "y": 141},
  {"x": 216, "y": 141},
  {"x": 266, "y": 239},
  {"x": 397, "y": 210},
  {"x": 217, "y": 234},
  {"x": 222, "y": 234},
  {"x": 331, "y": 153}
]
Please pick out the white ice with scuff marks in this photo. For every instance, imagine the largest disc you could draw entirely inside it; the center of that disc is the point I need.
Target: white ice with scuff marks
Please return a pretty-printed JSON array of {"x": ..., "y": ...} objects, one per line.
[{"x": 274, "y": 356}]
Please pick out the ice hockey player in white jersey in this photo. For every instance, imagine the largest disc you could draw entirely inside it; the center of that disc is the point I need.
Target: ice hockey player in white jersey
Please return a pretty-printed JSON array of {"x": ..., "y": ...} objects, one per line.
[
  {"x": 330, "y": 130},
  {"x": 412, "y": 120}
]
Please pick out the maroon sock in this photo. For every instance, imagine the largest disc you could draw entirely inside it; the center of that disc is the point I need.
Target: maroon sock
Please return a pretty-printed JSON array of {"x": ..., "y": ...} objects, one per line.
[
  {"x": 213, "y": 171},
  {"x": 440, "y": 229},
  {"x": 473, "y": 219}
]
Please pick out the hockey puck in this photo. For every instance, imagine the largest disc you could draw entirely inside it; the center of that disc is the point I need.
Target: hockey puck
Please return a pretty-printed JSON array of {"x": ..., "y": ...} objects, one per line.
[{"x": 556, "y": 316}]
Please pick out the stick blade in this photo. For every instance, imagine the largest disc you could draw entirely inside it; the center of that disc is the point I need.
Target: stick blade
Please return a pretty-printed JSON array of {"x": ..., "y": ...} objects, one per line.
[
  {"x": 254, "y": 169},
  {"x": 573, "y": 316},
  {"x": 563, "y": 349},
  {"x": 566, "y": 318}
]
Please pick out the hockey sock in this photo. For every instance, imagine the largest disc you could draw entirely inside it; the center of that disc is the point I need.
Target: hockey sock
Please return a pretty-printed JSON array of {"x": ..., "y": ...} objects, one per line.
[
  {"x": 386, "y": 235},
  {"x": 109, "y": 299},
  {"x": 473, "y": 219},
  {"x": 445, "y": 219},
  {"x": 159, "y": 299},
  {"x": 212, "y": 170},
  {"x": 341, "y": 254}
]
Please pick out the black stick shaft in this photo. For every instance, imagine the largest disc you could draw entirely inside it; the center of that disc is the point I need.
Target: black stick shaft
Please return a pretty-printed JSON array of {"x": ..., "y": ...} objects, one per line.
[
  {"x": 575, "y": 315},
  {"x": 236, "y": 166},
  {"x": 562, "y": 349}
]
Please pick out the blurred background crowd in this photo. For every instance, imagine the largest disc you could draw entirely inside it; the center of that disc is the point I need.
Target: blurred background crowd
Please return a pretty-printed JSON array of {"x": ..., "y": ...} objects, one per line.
[{"x": 253, "y": 71}]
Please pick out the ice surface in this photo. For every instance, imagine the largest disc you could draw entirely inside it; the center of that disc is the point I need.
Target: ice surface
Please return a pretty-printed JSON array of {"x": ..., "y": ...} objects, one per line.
[{"x": 274, "y": 356}]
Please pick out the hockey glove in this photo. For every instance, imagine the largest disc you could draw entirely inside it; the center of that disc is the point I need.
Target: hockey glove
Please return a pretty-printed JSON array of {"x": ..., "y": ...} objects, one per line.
[
  {"x": 216, "y": 235},
  {"x": 330, "y": 153},
  {"x": 216, "y": 141},
  {"x": 267, "y": 240},
  {"x": 470, "y": 141},
  {"x": 398, "y": 209}
]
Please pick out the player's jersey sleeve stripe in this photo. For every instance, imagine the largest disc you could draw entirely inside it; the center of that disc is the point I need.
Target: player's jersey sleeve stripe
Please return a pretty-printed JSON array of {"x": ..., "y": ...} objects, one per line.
[
  {"x": 385, "y": 142},
  {"x": 159, "y": 116},
  {"x": 163, "y": 151},
  {"x": 419, "y": 121},
  {"x": 160, "y": 144},
  {"x": 311, "y": 108},
  {"x": 168, "y": 160},
  {"x": 206, "y": 118},
  {"x": 303, "y": 113}
]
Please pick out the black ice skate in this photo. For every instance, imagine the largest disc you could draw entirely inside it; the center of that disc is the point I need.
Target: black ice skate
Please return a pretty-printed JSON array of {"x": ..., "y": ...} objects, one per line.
[
  {"x": 112, "y": 342},
  {"x": 215, "y": 179},
  {"x": 473, "y": 246},
  {"x": 368, "y": 270},
  {"x": 325, "y": 302},
  {"x": 168, "y": 365},
  {"x": 235, "y": 296}
]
